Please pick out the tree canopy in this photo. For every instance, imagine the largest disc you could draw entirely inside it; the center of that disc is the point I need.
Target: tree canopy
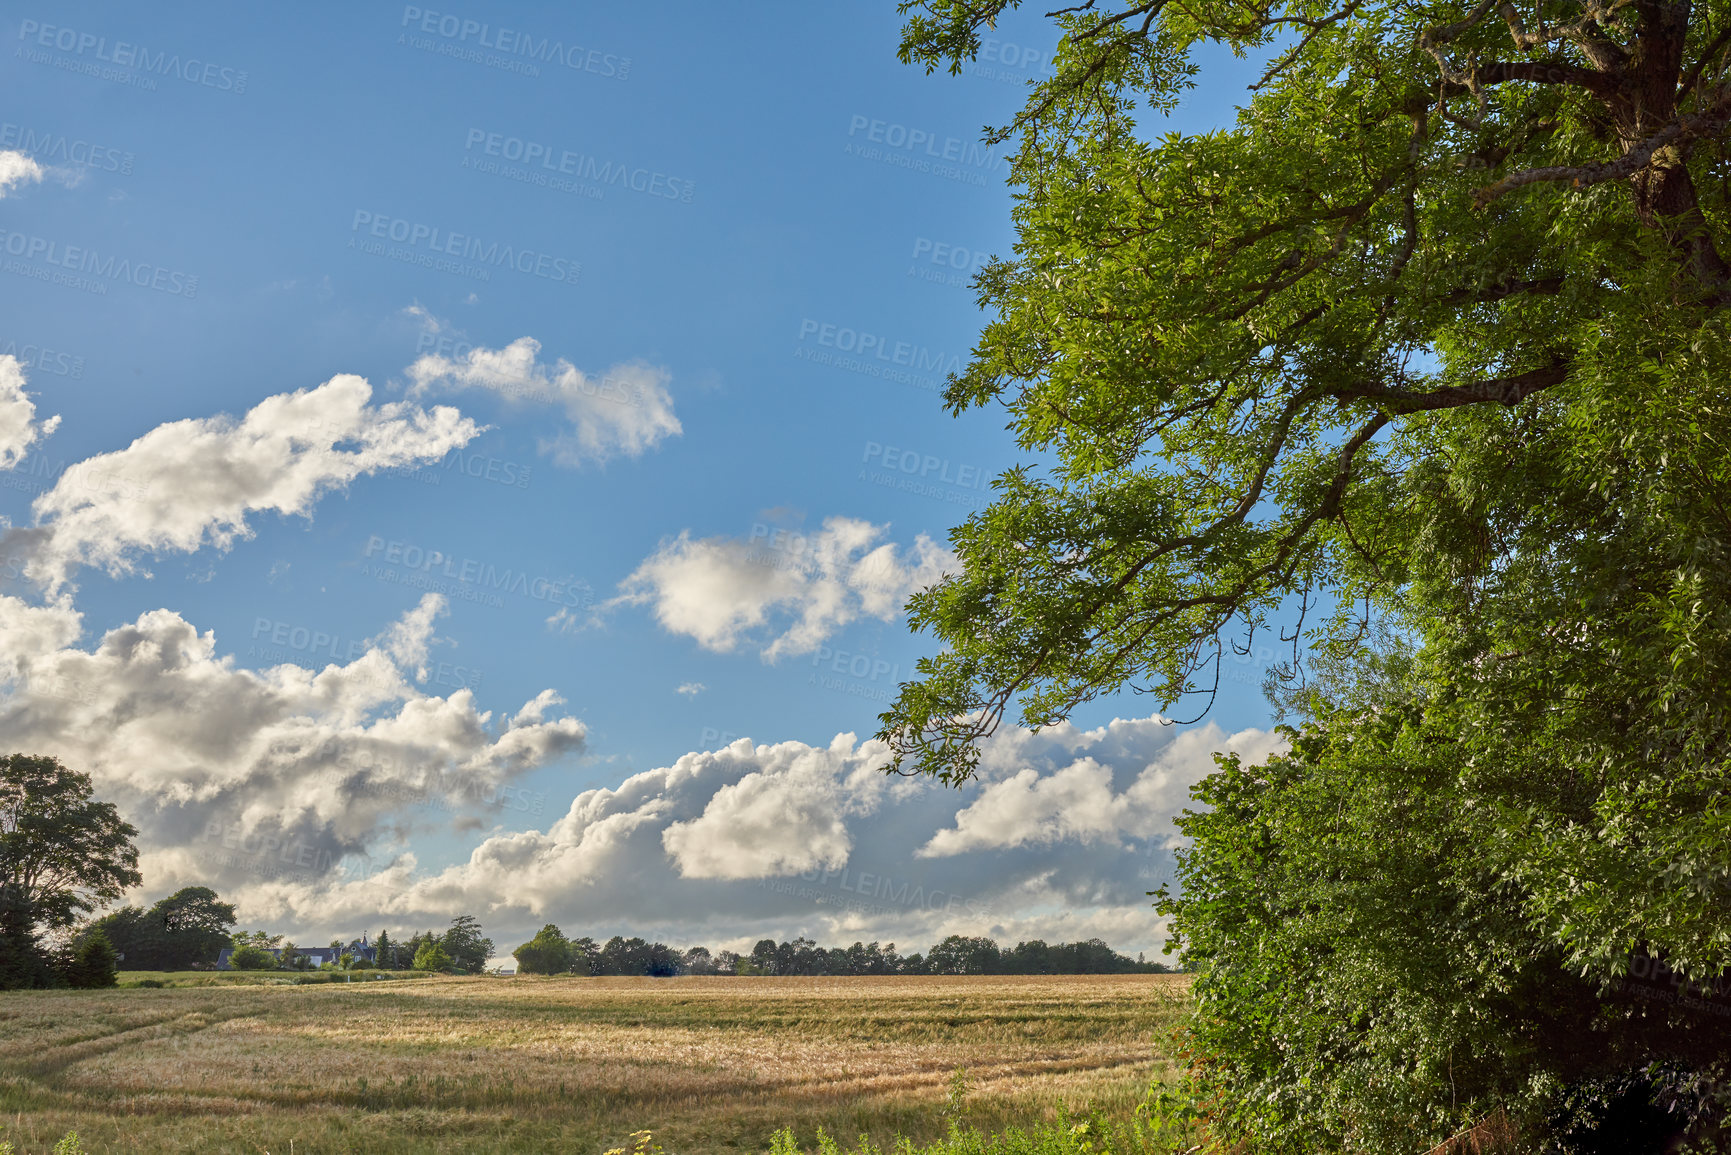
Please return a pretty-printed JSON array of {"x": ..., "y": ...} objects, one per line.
[
  {"x": 467, "y": 947},
  {"x": 548, "y": 953},
  {"x": 188, "y": 927},
  {"x": 1424, "y": 361},
  {"x": 432, "y": 957},
  {"x": 1450, "y": 265},
  {"x": 62, "y": 854}
]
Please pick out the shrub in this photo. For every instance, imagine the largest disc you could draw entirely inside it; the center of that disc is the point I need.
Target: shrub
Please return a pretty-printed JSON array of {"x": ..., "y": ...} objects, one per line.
[
  {"x": 548, "y": 953},
  {"x": 252, "y": 958},
  {"x": 432, "y": 957},
  {"x": 94, "y": 964}
]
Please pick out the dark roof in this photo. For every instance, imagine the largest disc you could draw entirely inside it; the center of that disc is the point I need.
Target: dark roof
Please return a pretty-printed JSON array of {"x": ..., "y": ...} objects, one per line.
[{"x": 319, "y": 954}]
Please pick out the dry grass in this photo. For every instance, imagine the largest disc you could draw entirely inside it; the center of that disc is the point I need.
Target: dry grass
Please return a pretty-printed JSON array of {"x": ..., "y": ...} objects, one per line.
[
  {"x": 262, "y": 978},
  {"x": 531, "y": 1064}
]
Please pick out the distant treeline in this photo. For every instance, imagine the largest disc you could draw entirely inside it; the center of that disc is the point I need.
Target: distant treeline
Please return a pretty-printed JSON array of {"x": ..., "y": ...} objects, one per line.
[{"x": 551, "y": 953}]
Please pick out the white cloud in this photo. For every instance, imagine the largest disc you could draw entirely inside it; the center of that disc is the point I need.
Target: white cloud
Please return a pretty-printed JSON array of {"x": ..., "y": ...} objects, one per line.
[
  {"x": 1078, "y": 802},
  {"x": 192, "y": 483},
  {"x": 231, "y": 773},
  {"x": 691, "y": 689},
  {"x": 408, "y": 639},
  {"x": 786, "y": 818},
  {"x": 15, "y": 169},
  {"x": 724, "y": 591},
  {"x": 19, "y": 429},
  {"x": 788, "y": 838},
  {"x": 626, "y": 411}
]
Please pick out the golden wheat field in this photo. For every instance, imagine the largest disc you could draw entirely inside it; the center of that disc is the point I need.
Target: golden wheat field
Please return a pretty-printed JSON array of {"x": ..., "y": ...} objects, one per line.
[{"x": 570, "y": 1064}]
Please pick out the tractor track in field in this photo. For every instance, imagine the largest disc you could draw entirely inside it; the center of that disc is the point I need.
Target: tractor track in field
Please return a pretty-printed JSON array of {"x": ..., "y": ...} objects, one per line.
[{"x": 47, "y": 1063}]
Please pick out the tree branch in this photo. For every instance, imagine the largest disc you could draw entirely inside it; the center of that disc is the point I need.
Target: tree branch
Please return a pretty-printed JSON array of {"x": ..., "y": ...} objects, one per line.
[
  {"x": 1637, "y": 158},
  {"x": 1499, "y": 390}
]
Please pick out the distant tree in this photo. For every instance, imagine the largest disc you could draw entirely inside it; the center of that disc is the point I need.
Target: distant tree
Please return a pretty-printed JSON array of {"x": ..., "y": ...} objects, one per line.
[
  {"x": 432, "y": 957},
  {"x": 136, "y": 937},
  {"x": 548, "y": 953},
  {"x": 252, "y": 958},
  {"x": 256, "y": 938},
  {"x": 664, "y": 962},
  {"x": 294, "y": 960},
  {"x": 93, "y": 963},
  {"x": 195, "y": 924},
  {"x": 409, "y": 950},
  {"x": 727, "y": 962},
  {"x": 636, "y": 956},
  {"x": 187, "y": 928},
  {"x": 385, "y": 951},
  {"x": 959, "y": 955},
  {"x": 468, "y": 949},
  {"x": 763, "y": 957},
  {"x": 802, "y": 956},
  {"x": 1033, "y": 957},
  {"x": 61, "y": 855},
  {"x": 697, "y": 961}
]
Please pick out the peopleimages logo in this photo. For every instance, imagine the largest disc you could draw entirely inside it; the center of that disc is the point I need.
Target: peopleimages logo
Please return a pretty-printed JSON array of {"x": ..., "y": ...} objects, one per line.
[
  {"x": 921, "y": 150},
  {"x": 58, "y": 148},
  {"x": 88, "y": 261},
  {"x": 913, "y": 463},
  {"x": 535, "y": 155},
  {"x": 47, "y": 360},
  {"x": 433, "y": 243},
  {"x": 123, "y": 54},
  {"x": 466, "y": 572},
  {"x": 515, "y": 43},
  {"x": 877, "y": 346}
]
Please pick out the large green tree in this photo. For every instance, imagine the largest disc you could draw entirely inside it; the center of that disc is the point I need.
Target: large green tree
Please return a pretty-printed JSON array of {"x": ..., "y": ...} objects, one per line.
[
  {"x": 467, "y": 947},
  {"x": 1319, "y": 352},
  {"x": 1430, "y": 345},
  {"x": 1371, "y": 972},
  {"x": 62, "y": 855},
  {"x": 548, "y": 953},
  {"x": 188, "y": 927}
]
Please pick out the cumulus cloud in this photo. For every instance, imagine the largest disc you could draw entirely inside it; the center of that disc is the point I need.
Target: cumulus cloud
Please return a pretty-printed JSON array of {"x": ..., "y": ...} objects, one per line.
[
  {"x": 19, "y": 429},
  {"x": 233, "y": 775},
  {"x": 626, "y": 411},
  {"x": 788, "y": 838},
  {"x": 193, "y": 483},
  {"x": 691, "y": 689},
  {"x": 724, "y": 592},
  {"x": 1079, "y": 801},
  {"x": 16, "y": 168},
  {"x": 784, "y": 819}
]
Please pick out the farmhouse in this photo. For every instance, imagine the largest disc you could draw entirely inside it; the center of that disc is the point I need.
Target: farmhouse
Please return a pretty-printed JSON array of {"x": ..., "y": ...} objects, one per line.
[{"x": 316, "y": 956}]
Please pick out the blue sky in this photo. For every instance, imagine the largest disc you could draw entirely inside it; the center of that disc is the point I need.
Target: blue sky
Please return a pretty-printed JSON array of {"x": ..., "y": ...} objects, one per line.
[{"x": 737, "y": 242}]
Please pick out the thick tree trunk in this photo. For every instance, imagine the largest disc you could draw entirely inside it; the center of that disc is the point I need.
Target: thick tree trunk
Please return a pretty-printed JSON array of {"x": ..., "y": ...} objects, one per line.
[
  {"x": 1645, "y": 102},
  {"x": 1665, "y": 200}
]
